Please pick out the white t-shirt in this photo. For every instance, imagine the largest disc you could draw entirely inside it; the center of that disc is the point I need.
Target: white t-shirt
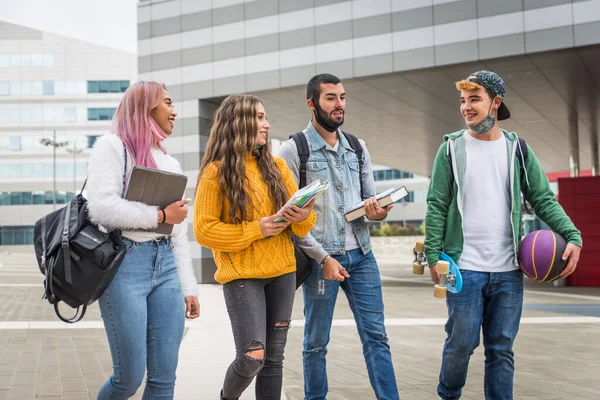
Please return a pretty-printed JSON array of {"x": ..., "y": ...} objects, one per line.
[
  {"x": 351, "y": 240},
  {"x": 487, "y": 228}
]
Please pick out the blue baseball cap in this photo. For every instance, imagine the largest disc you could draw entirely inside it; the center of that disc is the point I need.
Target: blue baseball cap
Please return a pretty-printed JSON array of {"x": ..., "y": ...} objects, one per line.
[{"x": 492, "y": 82}]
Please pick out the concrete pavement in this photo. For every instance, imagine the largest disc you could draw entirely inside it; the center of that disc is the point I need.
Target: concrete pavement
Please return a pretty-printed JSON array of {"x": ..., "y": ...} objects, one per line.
[{"x": 557, "y": 356}]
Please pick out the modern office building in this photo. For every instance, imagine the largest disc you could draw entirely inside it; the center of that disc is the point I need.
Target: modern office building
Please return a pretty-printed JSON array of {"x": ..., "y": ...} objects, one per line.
[
  {"x": 398, "y": 60},
  {"x": 57, "y": 94}
]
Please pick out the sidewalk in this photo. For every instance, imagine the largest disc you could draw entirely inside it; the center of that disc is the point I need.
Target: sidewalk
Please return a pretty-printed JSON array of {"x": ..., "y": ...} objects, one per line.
[{"x": 556, "y": 352}]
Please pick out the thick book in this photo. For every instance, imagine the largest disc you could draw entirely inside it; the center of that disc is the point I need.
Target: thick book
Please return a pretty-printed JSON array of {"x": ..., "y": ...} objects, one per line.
[
  {"x": 156, "y": 188},
  {"x": 305, "y": 195},
  {"x": 384, "y": 199}
]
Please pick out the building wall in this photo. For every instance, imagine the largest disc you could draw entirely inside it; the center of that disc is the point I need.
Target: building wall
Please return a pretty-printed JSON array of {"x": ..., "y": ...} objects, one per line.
[
  {"x": 51, "y": 86},
  {"x": 204, "y": 49}
]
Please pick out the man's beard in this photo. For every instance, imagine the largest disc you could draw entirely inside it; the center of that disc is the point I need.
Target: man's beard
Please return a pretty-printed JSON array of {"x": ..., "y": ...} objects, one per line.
[{"x": 328, "y": 123}]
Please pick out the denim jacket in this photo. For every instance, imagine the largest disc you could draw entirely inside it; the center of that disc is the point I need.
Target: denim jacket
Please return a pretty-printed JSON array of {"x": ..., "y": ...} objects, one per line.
[{"x": 341, "y": 168}]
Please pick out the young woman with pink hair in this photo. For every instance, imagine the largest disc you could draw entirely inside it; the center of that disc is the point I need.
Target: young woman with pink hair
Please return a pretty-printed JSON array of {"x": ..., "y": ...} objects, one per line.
[{"x": 145, "y": 305}]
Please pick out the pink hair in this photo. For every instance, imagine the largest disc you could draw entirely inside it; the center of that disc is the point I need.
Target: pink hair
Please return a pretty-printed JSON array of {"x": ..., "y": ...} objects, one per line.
[{"x": 134, "y": 125}]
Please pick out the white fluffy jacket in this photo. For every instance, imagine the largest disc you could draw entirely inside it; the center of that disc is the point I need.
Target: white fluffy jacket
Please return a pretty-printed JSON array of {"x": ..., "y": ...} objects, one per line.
[{"x": 107, "y": 208}]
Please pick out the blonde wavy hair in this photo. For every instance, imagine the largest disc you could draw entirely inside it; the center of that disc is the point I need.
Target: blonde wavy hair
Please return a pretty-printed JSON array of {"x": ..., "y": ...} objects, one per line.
[{"x": 232, "y": 138}]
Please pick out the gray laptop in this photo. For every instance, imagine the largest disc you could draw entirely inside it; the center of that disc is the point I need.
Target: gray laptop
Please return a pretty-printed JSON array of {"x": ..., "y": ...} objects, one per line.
[{"x": 156, "y": 188}]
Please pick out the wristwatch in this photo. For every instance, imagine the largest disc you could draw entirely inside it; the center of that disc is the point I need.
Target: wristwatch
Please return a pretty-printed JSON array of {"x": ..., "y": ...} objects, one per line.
[{"x": 325, "y": 260}]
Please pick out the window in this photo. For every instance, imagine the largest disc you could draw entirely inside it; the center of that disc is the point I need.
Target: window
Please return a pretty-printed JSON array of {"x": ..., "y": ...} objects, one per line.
[
  {"x": 103, "y": 114},
  {"x": 14, "y": 143},
  {"x": 107, "y": 86},
  {"x": 92, "y": 86},
  {"x": 4, "y": 198},
  {"x": 15, "y": 198},
  {"x": 48, "y": 197},
  {"x": 48, "y": 87},
  {"x": 4, "y": 88},
  {"x": 61, "y": 197},
  {"x": 100, "y": 114},
  {"x": 92, "y": 114},
  {"x": 90, "y": 141},
  {"x": 10, "y": 235},
  {"x": 38, "y": 197},
  {"x": 114, "y": 86},
  {"x": 26, "y": 198}
]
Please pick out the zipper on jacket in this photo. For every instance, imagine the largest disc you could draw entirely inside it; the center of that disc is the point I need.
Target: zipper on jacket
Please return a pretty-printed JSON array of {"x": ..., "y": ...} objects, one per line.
[
  {"x": 512, "y": 199},
  {"x": 458, "y": 196}
]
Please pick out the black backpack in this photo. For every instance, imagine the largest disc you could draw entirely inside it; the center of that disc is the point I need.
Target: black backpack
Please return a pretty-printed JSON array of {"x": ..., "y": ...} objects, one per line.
[
  {"x": 77, "y": 260},
  {"x": 303, "y": 268}
]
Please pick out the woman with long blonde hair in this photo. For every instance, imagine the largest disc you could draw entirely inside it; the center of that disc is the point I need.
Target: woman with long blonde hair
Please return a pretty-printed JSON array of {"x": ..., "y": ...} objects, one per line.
[
  {"x": 144, "y": 306},
  {"x": 240, "y": 193}
]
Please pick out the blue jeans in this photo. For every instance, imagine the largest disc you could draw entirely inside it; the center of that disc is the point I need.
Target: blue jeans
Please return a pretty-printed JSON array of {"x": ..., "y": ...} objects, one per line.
[
  {"x": 143, "y": 311},
  {"x": 363, "y": 290},
  {"x": 491, "y": 302}
]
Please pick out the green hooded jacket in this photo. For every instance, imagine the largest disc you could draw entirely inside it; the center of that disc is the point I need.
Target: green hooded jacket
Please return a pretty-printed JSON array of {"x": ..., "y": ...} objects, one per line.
[{"x": 445, "y": 199}]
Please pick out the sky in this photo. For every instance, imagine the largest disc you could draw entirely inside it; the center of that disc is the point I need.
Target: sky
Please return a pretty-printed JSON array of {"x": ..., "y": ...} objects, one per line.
[{"x": 111, "y": 23}]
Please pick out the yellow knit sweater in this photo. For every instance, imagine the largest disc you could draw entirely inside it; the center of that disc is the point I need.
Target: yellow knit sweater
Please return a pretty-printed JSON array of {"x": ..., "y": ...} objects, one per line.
[{"x": 240, "y": 251}]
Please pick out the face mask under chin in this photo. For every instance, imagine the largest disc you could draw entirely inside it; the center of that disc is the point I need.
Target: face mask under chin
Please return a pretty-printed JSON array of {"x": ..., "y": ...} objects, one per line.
[{"x": 485, "y": 125}]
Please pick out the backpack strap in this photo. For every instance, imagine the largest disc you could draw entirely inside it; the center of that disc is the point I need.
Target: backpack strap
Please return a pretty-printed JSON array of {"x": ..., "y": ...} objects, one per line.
[
  {"x": 65, "y": 245},
  {"x": 303, "y": 153},
  {"x": 357, "y": 147},
  {"x": 522, "y": 155},
  {"x": 124, "y": 172},
  {"x": 76, "y": 318}
]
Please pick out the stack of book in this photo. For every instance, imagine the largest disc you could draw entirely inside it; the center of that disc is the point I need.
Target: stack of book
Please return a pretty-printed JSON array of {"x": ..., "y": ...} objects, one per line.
[{"x": 305, "y": 195}]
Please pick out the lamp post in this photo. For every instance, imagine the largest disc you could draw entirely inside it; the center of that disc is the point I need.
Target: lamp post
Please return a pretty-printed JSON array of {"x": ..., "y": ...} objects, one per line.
[
  {"x": 52, "y": 142},
  {"x": 75, "y": 151}
]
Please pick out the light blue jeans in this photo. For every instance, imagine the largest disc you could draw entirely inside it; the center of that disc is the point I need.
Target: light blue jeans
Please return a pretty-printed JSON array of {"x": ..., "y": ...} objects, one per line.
[
  {"x": 363, "y": 290},
  {"x": 144, "y": 312},
  {"x": 488, "y": 302}
]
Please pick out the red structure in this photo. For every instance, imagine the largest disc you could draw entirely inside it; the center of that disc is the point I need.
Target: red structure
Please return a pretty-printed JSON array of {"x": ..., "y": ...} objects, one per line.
[{"x": 580, "y": 197}]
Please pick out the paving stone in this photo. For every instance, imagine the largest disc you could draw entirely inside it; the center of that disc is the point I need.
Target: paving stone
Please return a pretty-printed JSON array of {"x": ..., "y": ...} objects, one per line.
[{"x": 49, "y": 389}]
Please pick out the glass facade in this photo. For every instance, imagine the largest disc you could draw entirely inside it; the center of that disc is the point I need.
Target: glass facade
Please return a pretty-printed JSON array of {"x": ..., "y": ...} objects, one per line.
[
  {"x": 13, "y": 235},
  {"x": 100, "y": 114},
  {"x": 107, "y": 86},
  {"x": 34, "y": 198},
  {"x": 389, "y": 174}
]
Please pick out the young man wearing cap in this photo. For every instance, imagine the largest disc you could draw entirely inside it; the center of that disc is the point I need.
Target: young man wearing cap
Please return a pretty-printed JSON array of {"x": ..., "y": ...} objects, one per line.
[{"x": 474, "y": 216}]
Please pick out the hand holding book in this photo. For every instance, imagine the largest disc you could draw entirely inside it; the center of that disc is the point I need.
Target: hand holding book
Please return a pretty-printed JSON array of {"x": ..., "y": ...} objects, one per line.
[
  {"x": 294, "y": 214},
  {"x": 376, "y": 207}
]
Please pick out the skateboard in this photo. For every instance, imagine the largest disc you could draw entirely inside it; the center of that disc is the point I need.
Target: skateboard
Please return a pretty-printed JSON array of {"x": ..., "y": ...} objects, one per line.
[{"x": 447, "y": 270}]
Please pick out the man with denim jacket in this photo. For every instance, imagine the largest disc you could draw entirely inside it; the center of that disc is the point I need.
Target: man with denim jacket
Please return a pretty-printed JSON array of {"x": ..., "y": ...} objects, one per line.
[
  {"x": 474, "y": 216},
  {"x": 340, "y": 251}
]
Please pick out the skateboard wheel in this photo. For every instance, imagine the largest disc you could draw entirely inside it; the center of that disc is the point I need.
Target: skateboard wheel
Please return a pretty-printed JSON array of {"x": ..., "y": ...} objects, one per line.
[
  {"x": 420, "y": 246},
  {"x": 439, "y": 291},
  {"x": 443, "y": 267},
  {"x": 418, "y": 269}
]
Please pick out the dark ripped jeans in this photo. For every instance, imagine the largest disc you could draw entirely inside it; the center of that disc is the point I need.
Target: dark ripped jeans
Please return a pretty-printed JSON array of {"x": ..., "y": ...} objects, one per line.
[{"x": 260, "y": 311}]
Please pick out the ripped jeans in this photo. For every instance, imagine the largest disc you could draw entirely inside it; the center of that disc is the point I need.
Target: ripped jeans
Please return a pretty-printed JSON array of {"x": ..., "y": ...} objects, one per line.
[{"x": 260, "y": 311}]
